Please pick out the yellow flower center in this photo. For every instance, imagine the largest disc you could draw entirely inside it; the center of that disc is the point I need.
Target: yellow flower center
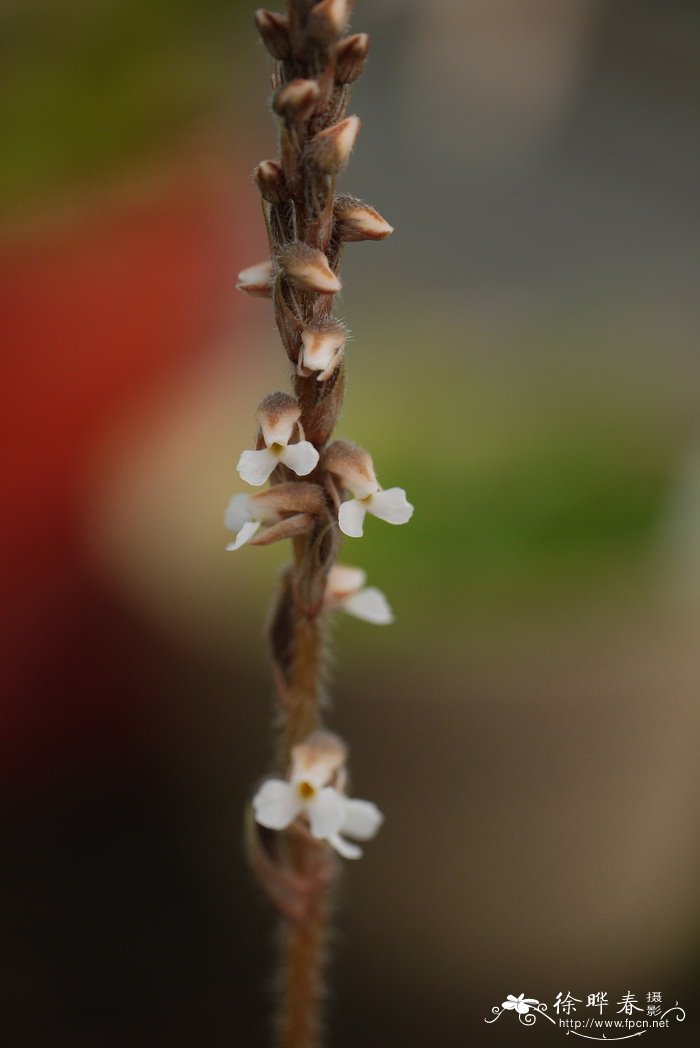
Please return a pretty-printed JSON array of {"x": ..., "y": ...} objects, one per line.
[
  {"x": 276, "y": 449},
  {"x": 306, "y": 791}
]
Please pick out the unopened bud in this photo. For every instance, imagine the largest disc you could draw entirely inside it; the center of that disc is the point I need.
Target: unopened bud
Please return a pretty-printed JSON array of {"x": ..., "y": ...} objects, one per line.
[
  {"x": 355, "y": 220},
  {"x": 327, "y": 20},
  {"x": 352, "y": 466},
  {"x": 277, "y": 416},
  {"x": 329, "y": 150},
  {"x": 270, "y": 180},
  {"x": 321, "y": 341},
  {"x": 296, "y": 100},
  {"x": 308, "y": 268},
  {"x": 350, "y": 58},
  {"x": 274, "y": 32},
  {"x": 256, "y": 280}
]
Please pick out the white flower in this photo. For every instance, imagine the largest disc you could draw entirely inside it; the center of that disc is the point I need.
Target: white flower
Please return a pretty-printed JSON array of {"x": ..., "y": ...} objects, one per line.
[
  {"x": 278, "y": 416},
  {"x": 354, "y": 469},
  {"x": 521, "y": 1004},
  {"x": 390, "y": 505},
  {"x": 346, "y": 590},
  {"x": 329, "y": 813},
  {"x": 244, "y": 517}
]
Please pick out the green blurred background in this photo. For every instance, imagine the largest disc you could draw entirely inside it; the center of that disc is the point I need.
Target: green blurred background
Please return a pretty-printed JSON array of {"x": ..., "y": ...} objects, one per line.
[{"x": 523, "y": 362}]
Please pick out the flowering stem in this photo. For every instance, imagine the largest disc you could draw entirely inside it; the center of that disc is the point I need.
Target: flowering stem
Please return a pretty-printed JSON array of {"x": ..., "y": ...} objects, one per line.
[{"x": 306, "y": 225}]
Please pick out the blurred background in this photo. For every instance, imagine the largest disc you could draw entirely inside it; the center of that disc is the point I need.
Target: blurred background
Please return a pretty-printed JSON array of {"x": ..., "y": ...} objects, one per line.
[{"x": 523, "y": 362}]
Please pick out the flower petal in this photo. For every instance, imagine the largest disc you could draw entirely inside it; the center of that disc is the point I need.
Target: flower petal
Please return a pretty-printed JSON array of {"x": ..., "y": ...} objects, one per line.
[
  {"x": 237, "y": 513},
  {"x": 362, "y": 819},
  {"x": 344, "y": 580},
  {"x": 276, "y": 804},
  {"x": 301, "y": 457},
  {"x": 345, "y": 848},
  {"x": 326, "y": 812},
  {"x": 391, "y": 505},
  {"x": 351, "y": 516},
  {"x": 369, "y": 604},
  {"x": 244, "y": 535},
  {"x": 509, "y": 1005},
  {"x": 256, "y": 466}
]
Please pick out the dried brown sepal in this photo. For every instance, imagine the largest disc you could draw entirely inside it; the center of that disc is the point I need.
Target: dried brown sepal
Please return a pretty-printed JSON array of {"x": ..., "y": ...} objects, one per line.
[
  {"x": 307, "y": 267},
  {"x": 296, "y": 100},
  {"x": 274, "y": 32},
  {"x": 292, "y": 498},
  {"x": 327, "y": 21},
  {"x": 352, "y": 466},
  {"x": 289, "y": 528},
  {"x": 256, "y": 280},
  {"x": 354, "y": 220},
  {"x": 270, "y": 180},
  {"x": 351, "y": 57},
  {"x": 329, "y": 150}
]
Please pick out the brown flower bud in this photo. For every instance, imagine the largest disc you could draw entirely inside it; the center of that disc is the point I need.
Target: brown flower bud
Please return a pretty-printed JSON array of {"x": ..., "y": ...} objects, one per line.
[
  {"x": 329, "y": 150},
  {"x": 308, "y": 267},
  {"x": 351, "y": 57},
  {"x": 274, "y": 31},
  {"x": 287, "y": 499},
  {"x": 270, "y": 180},
  {"x": 352, "y": 466},
  {"x": 296, "y": 100},
  {"x": 289, "y": 528},
  {"x": 322, "y": 345},
  {"x": 327, "y": 20},
  {"x": 355, "y": 220},
  {"x": 256, "y": 280},
  {"x": 277, "y": 416}
]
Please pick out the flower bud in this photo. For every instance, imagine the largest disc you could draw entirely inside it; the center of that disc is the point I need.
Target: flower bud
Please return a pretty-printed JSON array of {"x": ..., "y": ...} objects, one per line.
[
  {"x": 296, "y": 100},
  {"x": 307, "y": 267},
  {"x": 327, "y": 20},
  {"x": 352, "y": 466},
  {"x": 256, "y": 280},
  {"x": 329, "y": 150},
  {"x": 355, "y": 220},
  {"x": 274, "y": 32},
  {"x": 321, "y": 341},
  {"x": 351, "y": 57},
  {"x": 270, "y": 180},
  {"x": 277, "y": 416}
]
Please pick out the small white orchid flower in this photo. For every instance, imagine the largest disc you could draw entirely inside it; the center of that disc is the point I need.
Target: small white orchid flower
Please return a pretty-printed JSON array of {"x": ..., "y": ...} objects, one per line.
[
  {"x": 329, "y": 813},
  {"x": 278, "y": 416},
  {"x": 346, "y": 591},
  {"x": 354, "y": 469},
  {"x": 521, "y": 1004}
]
